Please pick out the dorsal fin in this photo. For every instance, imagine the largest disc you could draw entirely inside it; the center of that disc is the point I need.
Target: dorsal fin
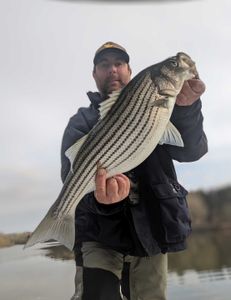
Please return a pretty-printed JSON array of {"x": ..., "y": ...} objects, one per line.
[
  {"x": 107, "y": 104},
  {"x": 171, "y": 136},
  {"x": 74, "y": 149}
]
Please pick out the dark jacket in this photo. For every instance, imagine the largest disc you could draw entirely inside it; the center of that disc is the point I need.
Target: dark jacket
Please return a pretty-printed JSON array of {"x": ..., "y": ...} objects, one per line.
[{"x": 160, "y": 221}]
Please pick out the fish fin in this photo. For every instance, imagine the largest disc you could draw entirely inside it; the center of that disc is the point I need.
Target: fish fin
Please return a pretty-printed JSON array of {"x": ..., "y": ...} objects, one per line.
[
  {"x": 54, "y": 228},
  {"x": 74, "y": 149},
  {"x": 171, "y": 136},
  {"x": 106, "y": 105}
]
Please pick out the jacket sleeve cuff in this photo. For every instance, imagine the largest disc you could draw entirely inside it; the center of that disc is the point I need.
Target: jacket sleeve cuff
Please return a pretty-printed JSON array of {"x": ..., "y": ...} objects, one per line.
[{"x": 108, "y": 209}]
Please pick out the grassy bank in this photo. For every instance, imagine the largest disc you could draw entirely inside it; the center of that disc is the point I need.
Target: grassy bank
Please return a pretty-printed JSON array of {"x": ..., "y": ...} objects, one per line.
[{"x": 7, "y": 240}]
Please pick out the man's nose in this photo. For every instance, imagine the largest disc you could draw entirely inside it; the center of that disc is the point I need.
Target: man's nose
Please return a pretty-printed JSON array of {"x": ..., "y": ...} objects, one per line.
[{"x": 112, "y": 68}]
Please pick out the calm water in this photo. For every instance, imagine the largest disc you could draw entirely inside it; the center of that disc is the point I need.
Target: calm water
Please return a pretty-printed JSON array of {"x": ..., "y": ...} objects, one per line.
[{"x": 201, "y": 272}]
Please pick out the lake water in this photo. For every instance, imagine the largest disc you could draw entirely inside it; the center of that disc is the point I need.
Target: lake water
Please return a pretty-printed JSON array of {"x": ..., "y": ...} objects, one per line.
[{"x": 201, "y": 272}]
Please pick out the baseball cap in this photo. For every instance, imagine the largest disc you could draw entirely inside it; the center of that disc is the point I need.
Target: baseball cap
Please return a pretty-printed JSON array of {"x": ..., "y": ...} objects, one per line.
[{"x": 111, "y": 46}]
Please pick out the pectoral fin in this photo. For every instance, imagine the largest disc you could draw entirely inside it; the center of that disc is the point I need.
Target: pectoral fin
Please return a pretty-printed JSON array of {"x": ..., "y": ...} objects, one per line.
[
  {"x": 171, "y": 136},
  {"x": 74, "y": 149}
]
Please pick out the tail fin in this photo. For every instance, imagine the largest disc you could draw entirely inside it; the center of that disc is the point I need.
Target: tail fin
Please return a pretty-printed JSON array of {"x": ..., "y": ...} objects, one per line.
[{"x": 54, "y": 228}]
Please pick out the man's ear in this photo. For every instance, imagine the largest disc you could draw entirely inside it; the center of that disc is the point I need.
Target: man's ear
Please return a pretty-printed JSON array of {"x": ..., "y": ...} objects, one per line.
[
  {"x": 93, "y": 73},
  {"x": 129, "y": 69}
]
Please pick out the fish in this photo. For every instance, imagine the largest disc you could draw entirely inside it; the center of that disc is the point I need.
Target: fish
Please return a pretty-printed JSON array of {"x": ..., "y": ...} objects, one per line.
[{"x": 132, "y": 122}]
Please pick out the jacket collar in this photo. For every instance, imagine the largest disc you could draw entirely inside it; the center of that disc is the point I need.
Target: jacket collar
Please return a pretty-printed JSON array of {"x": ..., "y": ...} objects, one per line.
[{"x": 95, "y": 98}]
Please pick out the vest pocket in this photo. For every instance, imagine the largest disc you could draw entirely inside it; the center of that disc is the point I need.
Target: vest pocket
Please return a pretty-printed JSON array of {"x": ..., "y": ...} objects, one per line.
[{"x": 174, "y": 216}]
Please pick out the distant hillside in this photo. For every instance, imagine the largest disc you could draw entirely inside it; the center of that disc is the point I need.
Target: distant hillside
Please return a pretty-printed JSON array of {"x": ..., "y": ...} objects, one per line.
[
  {"x": 211, "y": 210},
  {"x": 12, "y": 239}
]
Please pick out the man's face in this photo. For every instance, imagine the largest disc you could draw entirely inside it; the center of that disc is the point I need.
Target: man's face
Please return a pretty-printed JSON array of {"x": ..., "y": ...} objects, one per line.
[{"x": 111, "y": 73}]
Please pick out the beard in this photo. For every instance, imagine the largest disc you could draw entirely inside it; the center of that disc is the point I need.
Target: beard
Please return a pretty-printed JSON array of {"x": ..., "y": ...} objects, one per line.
[{"x": 111, "y": 85}]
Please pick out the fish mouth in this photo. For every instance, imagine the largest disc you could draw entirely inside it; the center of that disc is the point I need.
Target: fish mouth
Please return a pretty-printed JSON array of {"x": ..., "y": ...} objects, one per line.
[{"x": 188, "y": 64}]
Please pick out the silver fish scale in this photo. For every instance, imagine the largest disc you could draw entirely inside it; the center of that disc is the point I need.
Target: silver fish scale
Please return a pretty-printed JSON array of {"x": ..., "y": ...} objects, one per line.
[
  {"x": 121, "y": 131},
  {"x": 127, "y": 136},
  {"x": 123, "y": 106},
  {"x": 119, "y": 147},
  {"x": 116, "y": 142},
  {"x": 143, "y": 135},
  {"x": 98, "y": 133}
]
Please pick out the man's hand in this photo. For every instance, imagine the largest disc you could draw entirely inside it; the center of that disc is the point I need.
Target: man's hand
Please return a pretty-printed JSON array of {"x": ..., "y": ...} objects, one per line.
[
  {"x": 190, "y": 92},
  {"x": 111, "y": 190}
]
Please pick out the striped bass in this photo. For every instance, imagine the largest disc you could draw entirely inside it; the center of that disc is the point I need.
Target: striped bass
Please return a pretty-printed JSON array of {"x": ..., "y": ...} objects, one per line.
[{"x": 131, "y": 124}]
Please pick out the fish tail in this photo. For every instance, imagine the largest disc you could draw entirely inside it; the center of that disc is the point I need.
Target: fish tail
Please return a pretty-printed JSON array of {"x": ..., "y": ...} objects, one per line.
[{"x": 61, "y": 229}]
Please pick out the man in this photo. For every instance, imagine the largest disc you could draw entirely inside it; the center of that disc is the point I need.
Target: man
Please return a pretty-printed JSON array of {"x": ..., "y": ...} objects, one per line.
[{"x": 125, "y": 228}]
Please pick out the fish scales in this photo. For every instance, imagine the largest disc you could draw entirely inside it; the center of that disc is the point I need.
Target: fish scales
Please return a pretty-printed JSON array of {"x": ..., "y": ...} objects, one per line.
[
  {"x": 112, "y": 136},
  {"x": 92, "y": 147},
  {"x": 120, "y": 107},
  {"x": 110, "y": 149},
  {"x": 108, "y": 142},
  {"x": 87, "y": 160},
  {"x": 108, "y": 145},
  {"x": 137, "y": 145},
  {"x": 116, "y": 110},
  {"x": 112, "y": 130},
  {"x": 143, "y": 134},
  {"x": 137, "y": 126},
  {"x": 142, "y": 128},
  {"x": 128, "y": 131}
]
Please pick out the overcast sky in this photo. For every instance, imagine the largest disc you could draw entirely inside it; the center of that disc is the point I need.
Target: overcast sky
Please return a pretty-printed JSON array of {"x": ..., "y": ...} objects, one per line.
[{"x": 46, "y": 52}]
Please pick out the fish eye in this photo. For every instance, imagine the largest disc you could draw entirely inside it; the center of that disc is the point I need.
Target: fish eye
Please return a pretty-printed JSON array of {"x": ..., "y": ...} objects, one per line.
[{"x": 173, "y": 63}]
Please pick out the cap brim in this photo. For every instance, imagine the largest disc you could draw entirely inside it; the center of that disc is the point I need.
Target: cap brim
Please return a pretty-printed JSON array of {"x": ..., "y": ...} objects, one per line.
[{"x": 120, "y": 53}]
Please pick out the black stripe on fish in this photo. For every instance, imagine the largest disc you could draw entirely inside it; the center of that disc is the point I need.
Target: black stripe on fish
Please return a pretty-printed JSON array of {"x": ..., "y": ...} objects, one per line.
[
  {"x": 73, "y": 186},
  {"x": 131, "y": 128}
]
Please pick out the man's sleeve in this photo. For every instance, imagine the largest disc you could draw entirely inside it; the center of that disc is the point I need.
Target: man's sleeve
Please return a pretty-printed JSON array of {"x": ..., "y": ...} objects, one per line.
[
  {"x": 79, "y": 125},
  {"x": 189, "y": 121}
]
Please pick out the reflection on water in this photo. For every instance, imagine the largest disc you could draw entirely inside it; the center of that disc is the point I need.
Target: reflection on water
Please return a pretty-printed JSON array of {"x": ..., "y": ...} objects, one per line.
[
  {"x": 207, "y": 251},
  {"x": 29, "y": 275},
  {"x": 222, "y": 274},
  {"x": 58, "y": 252},
  {"x": 204, "y": 270},
  {"x": 201, "y": 272}
]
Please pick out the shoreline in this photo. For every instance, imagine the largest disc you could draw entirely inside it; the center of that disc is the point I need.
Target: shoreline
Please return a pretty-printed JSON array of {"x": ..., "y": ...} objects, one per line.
[{"x": 11, "y": 239}]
